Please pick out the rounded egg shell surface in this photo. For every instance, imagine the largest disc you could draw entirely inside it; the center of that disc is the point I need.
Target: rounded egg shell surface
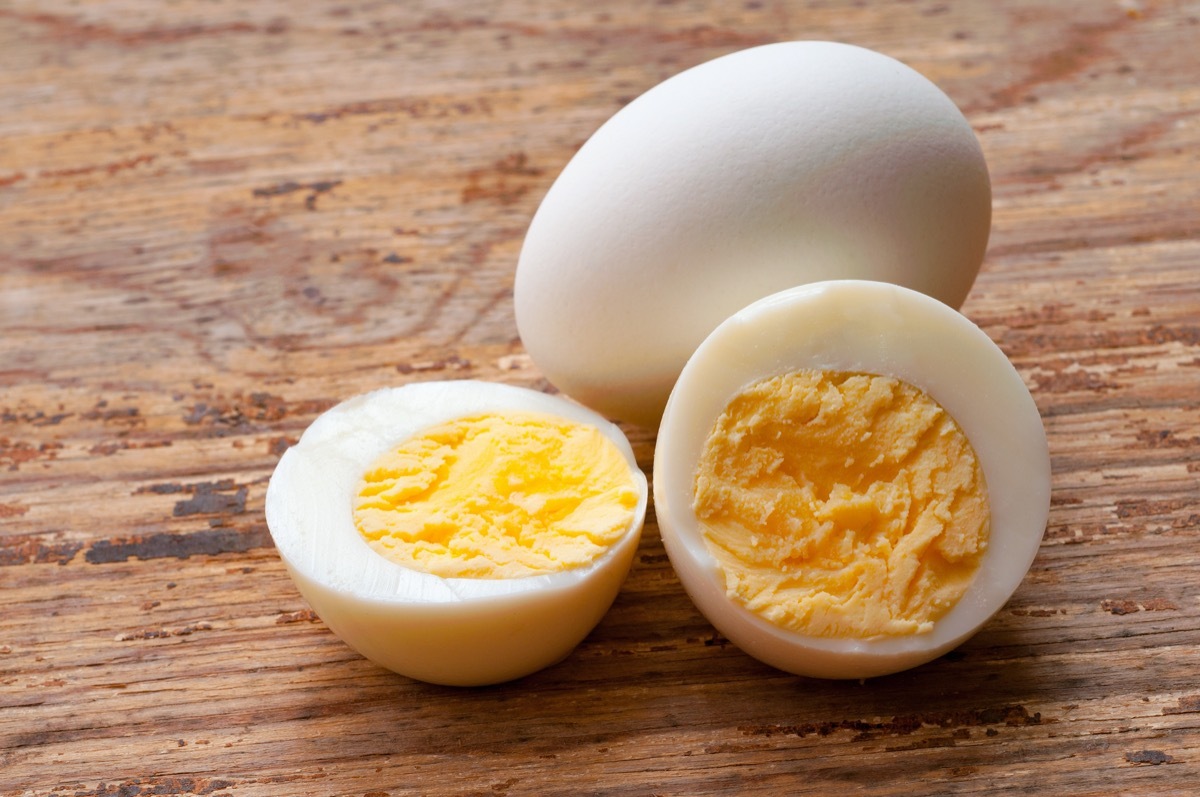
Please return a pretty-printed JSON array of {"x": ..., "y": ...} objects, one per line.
[{"x": 758, "y": 171}]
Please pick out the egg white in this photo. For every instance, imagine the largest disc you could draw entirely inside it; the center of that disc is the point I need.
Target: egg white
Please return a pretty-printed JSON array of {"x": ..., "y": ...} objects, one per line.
[
  {"x": 456, "y": 631},
  {"x": 871, "y": 327}
]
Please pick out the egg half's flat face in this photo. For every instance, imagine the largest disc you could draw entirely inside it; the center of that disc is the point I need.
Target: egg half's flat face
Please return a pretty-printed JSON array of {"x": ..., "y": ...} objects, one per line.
[
  {"x": 750, "y": 174},
  {"x": 850, "y": 479},
  {"x": 459, "y": 533}
]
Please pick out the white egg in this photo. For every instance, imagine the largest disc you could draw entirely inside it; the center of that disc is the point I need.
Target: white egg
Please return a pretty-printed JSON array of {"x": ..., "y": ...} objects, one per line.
[
  {"x": 874, "y": 328},
  {"x": 455, "y": 631},
  {"x": 755, "y": 172}
]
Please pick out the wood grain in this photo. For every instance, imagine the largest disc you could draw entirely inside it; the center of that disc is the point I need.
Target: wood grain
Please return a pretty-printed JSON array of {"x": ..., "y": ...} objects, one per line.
[{"x": 218, "y": 219}]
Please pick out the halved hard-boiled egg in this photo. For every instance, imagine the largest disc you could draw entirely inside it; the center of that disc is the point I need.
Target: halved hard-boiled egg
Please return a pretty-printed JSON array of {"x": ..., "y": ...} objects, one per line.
[
  {"x": 850, "y": 479},
  {"x": 459, "y": 533}
]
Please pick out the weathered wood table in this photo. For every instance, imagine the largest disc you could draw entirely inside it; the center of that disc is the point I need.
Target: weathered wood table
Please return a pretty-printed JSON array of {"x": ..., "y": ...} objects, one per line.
[{"x": 219, "y": 219}]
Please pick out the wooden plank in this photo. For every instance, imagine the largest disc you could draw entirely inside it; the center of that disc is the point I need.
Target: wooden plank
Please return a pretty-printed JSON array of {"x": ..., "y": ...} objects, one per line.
[{"x": 217, "y": 220}]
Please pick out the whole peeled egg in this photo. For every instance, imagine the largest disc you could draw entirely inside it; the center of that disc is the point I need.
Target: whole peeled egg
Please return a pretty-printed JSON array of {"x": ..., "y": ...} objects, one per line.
[
  {"x": 492, "y": 616},
  {"x": 758, "y": 171},
  {"x": 874, "y": 556}
]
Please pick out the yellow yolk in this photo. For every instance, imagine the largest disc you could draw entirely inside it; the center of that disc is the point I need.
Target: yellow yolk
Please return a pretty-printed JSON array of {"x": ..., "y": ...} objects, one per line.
[
  {"x": 497, "y": 496},
  {"x": 842, "y": 504}
]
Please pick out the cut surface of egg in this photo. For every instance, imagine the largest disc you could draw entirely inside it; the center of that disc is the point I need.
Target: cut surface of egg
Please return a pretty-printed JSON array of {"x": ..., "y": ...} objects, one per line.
[
  {"x": 850, "y": 479},
  {"x": 460, "y": 533},
  {"x": 758, "y": 171}
]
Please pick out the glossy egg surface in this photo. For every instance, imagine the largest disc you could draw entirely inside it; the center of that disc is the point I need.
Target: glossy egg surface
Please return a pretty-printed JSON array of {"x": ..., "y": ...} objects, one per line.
[{"x": 758, "y": 171}]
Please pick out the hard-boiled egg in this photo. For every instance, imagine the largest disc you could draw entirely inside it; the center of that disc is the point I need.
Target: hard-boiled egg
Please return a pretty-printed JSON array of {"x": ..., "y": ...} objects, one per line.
[
  {"x": 459, "y": 533},
  {"x": 749, "y": 174},
  {"x": 879, "y": 472}
]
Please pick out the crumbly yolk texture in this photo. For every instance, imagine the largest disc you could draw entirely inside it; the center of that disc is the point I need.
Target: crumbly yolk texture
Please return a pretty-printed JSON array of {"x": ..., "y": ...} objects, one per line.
[
  {"x": 842, "y": 504},
  {"x": 497, "y": 496}
]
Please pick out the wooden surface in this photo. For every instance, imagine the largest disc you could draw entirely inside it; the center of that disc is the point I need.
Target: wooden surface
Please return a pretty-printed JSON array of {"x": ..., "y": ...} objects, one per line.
[{"x": 218, "y": 219}]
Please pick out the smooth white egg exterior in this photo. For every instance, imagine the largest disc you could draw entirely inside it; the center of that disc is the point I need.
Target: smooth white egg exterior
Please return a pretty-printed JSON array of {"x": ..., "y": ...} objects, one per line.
[
  {"x": 875, "y": 328},
  {"x": 758, "y": 171},
  {"x": 452, "y": 631}
]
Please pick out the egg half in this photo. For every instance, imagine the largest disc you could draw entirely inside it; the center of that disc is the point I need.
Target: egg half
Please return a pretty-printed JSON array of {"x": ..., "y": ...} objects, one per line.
[
  {"x": 882, "y": 338},
  {"x": 752, "y": 173},
  {"x": 460, "y": 629}
]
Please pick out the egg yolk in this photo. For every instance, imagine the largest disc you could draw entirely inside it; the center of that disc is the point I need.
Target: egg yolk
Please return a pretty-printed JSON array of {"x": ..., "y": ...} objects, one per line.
[
  {"x": 842, "y": 504},
  {"x": 497, "y": 496}
]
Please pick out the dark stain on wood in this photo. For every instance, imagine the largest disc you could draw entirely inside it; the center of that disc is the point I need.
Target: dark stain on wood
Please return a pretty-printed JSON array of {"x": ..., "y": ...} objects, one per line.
[
  {"x": 1153, "y": 757},
  {"x": 108, "y": 169},
  {"x": 1142, "y": 508},
  {"x": 172, "y": 545},
  {"x": 144, "y": 787},
  {"x": 1166, "y": 438},
  {"x": 412, "y": 108},
  {"x": 247, "y": 412},
  {"x": 110, "y": 447},
  {"x": 15, "y": 453},
  {"x": 37, "y": 418},
  {"x": 163, "y": 633},
  {"x": 314, "y": 190},
  {"x": 1122, "y": 606},
  {"x": 1011, "y": 716},
  {"x": 22, "y": 549},
  {"x": 1072, "y": 381},
  {"x": 1189, "y": 704},
  {"x": 120, "y": 415},
  {"x": 222, "y": 497},
  {"x": 213, "y": 498}
]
